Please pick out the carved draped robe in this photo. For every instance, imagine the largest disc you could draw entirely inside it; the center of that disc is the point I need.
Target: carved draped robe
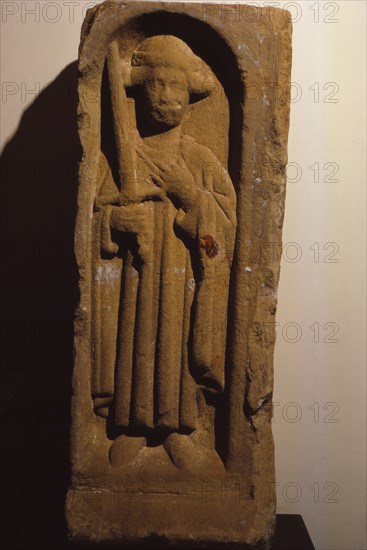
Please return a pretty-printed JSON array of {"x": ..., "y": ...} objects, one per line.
[{"x": 160, "y": 324}]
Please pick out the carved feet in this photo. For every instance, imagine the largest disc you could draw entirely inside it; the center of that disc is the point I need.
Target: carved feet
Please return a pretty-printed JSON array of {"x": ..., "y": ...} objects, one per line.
[
  {"x": 125, "y": 449},
  {"x": 191, "y": 454}
]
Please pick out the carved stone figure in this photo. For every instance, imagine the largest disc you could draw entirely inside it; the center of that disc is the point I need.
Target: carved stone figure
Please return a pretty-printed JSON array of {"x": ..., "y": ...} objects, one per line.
[
  {"x": 172, "y": 228},
  {"x": 181, "y": 191}
]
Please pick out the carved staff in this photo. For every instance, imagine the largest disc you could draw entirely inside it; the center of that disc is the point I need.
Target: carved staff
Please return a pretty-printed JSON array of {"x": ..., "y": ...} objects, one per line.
[
  {"x": 130, "y": 191},
  {"x": 125, "y": 145}
]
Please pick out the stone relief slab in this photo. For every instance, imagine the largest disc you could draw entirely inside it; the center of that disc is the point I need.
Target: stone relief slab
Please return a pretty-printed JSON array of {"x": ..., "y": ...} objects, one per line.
[{"x": 183, "y": 118}]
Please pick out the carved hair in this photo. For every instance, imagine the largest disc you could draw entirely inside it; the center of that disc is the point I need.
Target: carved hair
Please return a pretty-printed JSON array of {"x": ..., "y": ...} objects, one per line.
[{"x": 169, "y": 51}]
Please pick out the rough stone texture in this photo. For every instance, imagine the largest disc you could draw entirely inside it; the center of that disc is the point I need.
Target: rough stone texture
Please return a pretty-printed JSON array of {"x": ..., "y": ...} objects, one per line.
[{"x": 183, "y": 119}]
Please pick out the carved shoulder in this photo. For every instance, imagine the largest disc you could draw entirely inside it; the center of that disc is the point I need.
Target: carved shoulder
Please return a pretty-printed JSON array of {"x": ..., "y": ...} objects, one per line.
[{"x": 200, "y": 155}]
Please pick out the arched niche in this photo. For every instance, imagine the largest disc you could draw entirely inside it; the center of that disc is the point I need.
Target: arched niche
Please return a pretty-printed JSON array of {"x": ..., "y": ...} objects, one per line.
[{"x": 216, "y": 121}]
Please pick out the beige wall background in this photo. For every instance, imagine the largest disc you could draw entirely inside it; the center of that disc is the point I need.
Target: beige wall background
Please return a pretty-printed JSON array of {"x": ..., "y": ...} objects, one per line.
[{"x": 320, "y": 360}]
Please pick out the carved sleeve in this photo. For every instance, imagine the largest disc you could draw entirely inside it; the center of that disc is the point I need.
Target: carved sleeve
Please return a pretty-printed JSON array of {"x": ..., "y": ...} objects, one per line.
[
  {"x": 211, "y": 223},
  {"x": 214, "y": 211}
]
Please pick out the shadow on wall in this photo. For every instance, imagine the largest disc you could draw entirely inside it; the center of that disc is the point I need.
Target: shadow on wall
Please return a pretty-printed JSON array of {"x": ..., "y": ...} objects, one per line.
[{"x": 39, "y": 296}]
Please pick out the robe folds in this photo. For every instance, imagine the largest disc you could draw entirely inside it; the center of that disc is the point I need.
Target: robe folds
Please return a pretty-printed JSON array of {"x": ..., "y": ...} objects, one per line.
[{"x": 160, "y": 302}]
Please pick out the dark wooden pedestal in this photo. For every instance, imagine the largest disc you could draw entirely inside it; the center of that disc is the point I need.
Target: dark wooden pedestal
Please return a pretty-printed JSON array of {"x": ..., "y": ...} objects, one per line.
[{"x": 291, "y": 534}]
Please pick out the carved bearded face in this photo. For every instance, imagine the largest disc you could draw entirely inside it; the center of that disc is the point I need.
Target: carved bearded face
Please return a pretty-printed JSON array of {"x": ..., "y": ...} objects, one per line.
[{"x": 167, "y": 96}]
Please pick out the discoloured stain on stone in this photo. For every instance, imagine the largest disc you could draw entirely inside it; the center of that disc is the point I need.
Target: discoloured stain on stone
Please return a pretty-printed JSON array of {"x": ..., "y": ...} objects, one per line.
[{"x": 210, "y": 246}]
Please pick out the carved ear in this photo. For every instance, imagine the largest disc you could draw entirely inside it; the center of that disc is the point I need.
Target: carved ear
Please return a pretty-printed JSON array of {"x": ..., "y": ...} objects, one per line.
[
  {"x": 126, "y": 73},
  {"x": 136, "y": 75},
  {"x": 201, "y": 84}
]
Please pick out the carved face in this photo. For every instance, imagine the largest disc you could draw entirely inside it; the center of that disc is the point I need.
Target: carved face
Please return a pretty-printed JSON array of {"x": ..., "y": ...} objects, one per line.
[{"x": 167, "y": 96}]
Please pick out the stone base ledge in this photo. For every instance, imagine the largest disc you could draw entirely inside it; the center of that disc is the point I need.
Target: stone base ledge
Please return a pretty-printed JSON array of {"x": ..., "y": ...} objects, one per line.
[{"x": 167, "y": 520}]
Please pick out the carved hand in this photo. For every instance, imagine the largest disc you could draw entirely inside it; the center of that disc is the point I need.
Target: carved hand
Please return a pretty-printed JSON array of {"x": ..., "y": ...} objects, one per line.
[
  {"x": 176, "y": 179},
  {"x": 130, "y": 218}
]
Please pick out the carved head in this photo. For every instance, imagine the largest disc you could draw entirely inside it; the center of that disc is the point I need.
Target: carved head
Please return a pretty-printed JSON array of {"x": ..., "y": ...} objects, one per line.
[{"x": 171, "y": 76}]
